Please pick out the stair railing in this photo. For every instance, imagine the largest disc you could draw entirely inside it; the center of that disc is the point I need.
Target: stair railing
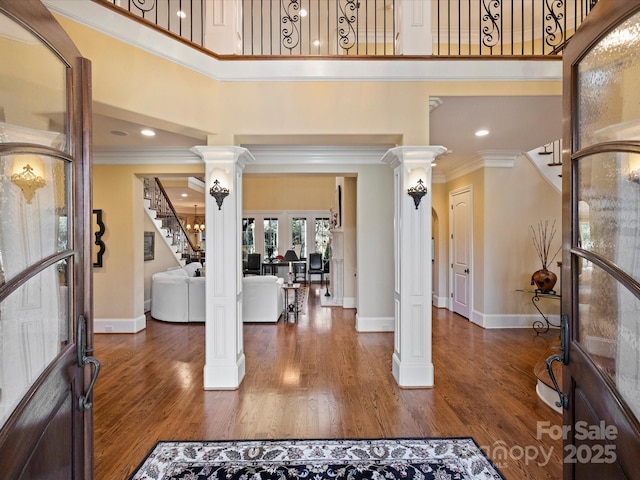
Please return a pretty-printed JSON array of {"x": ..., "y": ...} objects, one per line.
[{"x": 165, "y": 211}]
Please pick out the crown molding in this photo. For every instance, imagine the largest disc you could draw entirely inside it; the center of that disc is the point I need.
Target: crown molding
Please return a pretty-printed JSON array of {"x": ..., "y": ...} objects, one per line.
[
  {"x": 144, "y": 156},
  {"x": 261, "y": 155},
  {"x": 486, "y": 159},
  {"x": 316, "y": 155}
]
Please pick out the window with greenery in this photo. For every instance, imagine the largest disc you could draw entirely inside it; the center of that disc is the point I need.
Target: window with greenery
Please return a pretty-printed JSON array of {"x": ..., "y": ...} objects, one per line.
[
  {"x": 248, "y": 237},
  {"x": 271, "y": 236},
  {"x": 299, "y": 235},
  {"x": 322, "y": 236}
]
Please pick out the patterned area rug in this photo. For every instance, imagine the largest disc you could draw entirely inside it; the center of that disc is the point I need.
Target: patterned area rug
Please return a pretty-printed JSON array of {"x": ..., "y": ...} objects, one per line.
[{"x": 391, "y": 459}]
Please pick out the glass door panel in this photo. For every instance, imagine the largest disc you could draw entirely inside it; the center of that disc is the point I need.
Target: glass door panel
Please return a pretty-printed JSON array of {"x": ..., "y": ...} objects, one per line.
[
  {"x": 299, "y": 236},
  {"x": 33, "y": 98},
  {"x": 607, "y": 79},
  {"x": 609, "y": 330},
  {"x": 34, "y": 326},
  {"x": 35, "y": 210}
]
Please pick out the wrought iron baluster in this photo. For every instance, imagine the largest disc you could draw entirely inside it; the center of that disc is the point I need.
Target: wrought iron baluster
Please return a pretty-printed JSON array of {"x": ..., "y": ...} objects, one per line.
[
  {"x": 290, "y": 36},
  {"x": 554, "y": 32},
  {"x": 490, "y": 30},
  {"x": 347, "y": 36}
]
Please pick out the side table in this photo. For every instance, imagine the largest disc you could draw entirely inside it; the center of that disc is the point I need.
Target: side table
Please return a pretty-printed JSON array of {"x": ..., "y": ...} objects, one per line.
[
  {"x": 290, "y": 307},
  {"x": 538, "y": 325}
]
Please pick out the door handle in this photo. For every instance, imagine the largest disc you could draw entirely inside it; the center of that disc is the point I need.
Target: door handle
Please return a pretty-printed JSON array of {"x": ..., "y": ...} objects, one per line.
[
  {"x": 83, "y": 360},
  {"x": 466, "y": 270},
  {"x": 563, "y": 357}
]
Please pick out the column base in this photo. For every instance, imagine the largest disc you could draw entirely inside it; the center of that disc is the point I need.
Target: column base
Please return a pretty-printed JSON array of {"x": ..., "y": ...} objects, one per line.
[
  {"x": 413, "y": 376},
  {"x": 224, "y": 377}
]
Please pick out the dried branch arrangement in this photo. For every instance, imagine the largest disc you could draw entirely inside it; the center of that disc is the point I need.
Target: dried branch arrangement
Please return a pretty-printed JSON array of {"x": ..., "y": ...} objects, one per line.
[{"x": 542, "y": 238}]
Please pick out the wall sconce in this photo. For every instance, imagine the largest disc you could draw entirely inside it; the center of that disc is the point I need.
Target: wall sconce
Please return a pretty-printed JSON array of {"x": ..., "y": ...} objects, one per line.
[
  {"x": 635, "y": 176},
  {"x": 28, "y": 182},
  {"x": 417, "y": 192},
  {"x": 219, "y": 193}
]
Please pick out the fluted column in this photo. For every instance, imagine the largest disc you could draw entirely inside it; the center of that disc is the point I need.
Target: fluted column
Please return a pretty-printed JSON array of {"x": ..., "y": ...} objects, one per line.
[
  {"x": 412, "y": 355},
  {"x": 224, "y": 358}
]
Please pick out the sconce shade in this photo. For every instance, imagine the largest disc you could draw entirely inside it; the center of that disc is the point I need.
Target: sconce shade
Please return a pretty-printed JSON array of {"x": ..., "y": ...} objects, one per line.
[
  {"x": 417, "y": 192},
  {"x": 28, "y": 182},
  {"x": 219, "y": 193}
]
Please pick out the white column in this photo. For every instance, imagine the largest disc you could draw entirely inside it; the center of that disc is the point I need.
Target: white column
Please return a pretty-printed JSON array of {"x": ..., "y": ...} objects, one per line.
[
  {"x": 224, "y": 358},
  {"x": 222, "y": 26},
  {"x": 336, "y": 269},
  {"x": 412, "y": 355},
  {"x": 415, "y": 28}
]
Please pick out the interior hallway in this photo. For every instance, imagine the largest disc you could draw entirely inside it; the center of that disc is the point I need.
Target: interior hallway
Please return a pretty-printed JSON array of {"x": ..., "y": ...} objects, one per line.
[{"x": 321, "y": 379}]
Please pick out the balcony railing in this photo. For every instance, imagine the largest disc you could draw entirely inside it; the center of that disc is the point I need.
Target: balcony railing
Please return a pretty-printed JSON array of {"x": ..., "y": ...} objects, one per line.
[
  {"x": 318, "y": 27},
  {"x": 369, "y": 27},
  {"x": 506, "y": 27}
]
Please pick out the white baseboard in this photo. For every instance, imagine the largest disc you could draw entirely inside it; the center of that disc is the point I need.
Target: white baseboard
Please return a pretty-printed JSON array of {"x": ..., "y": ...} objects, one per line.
[
  {"x": 119, "y": 325},
  {"x": 439, "y": 302},
  {"x": 147, "y": 305},
  {"x": 349, "y": 302},
  {"x": 510, "y": 321},
  {"x": 374, "y": 324}
]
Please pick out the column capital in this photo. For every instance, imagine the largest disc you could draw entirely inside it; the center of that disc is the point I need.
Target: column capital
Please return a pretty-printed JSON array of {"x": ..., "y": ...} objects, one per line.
[
  {"x": 412, "y": 154},
  {"x": 224, "y": 154}
]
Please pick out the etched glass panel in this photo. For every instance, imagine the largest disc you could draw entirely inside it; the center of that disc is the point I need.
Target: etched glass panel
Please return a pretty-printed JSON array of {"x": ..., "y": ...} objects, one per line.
[
  {"x": 609, "y": 330},
  {"x": 609, "y": 209},
  {"x": 34, "y": 326},
  {"x": 35, "y": 212},
  {"x": 608, "y": 94},
  {"x": 33, "y": 97}
]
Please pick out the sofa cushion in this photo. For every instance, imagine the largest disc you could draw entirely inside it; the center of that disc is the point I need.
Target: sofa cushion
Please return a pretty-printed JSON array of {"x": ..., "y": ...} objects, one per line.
[
  {"x": 174, "y": 272},
  {"x": 191, "y": 268}
]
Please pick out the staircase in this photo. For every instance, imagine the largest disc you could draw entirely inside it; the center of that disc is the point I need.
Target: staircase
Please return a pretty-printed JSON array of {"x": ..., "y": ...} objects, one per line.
[
  {"x": 160, "y": 210},
  {"x": 548, "y": 161}
]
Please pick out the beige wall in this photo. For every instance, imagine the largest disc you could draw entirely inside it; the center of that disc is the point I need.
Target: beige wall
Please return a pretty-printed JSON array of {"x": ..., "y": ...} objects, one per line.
[
  {"x": 291, "y": 192},
  {"x": 119, "y": 286}
]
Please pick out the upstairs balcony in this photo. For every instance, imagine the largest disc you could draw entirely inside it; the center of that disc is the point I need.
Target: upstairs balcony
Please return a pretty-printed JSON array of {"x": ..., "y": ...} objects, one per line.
[{"x": 364, "y": 28}]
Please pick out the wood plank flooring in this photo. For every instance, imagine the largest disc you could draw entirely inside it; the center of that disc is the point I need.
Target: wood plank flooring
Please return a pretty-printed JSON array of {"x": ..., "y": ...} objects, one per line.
[{"x": 322, "y": 379}]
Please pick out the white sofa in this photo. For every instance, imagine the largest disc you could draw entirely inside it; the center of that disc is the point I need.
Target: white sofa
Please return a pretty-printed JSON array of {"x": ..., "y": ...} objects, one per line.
[
  {"x": 262, "y": 298},
  {"x": 177, "y": 295}
]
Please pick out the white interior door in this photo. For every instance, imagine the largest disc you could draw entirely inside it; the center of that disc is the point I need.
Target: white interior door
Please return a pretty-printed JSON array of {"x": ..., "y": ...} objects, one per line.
[{"x": 461, "y": 241}]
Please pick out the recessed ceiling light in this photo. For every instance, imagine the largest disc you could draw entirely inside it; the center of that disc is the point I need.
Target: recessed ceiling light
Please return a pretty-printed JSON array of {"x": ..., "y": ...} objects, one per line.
[
  {"x": 316, "y": 43},
  {"x": 181, "y": 14},
  {"x": 433, "y": 164},
  {"x": 482, "y": 133},
  {"x": 303, "y": 13},
  {"x": 147, "y": 132},
  {"x": 119, "y": 133}
]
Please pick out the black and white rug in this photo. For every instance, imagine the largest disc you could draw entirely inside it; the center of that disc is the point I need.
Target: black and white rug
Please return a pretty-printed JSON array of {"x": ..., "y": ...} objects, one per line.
[{"x": 387, "y": 459}]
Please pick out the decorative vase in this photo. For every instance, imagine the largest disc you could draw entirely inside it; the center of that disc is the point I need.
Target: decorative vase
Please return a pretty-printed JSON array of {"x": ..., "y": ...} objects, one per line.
[{"x": 544, "y": 280}]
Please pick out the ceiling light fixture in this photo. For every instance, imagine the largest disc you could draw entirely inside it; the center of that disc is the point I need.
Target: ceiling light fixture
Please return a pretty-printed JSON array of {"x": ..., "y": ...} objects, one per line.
[
  {"x": 147, "y": 132},
  {"x": 303, "y": 13},
  {"x": 482, "y": 133},
  {"x": 181, "y": 14}
]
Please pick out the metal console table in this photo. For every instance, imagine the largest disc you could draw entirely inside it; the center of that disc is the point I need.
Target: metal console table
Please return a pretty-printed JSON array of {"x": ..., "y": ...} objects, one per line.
[{"x": 538, "y": 325}]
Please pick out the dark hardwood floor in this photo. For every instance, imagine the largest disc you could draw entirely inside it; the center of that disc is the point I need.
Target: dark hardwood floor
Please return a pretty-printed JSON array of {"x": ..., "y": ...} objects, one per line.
[{"x": 321, "y": 379}]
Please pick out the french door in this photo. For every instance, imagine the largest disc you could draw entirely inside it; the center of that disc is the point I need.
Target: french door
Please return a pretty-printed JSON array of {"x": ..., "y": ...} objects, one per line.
[
  {"x": 601, "y": 245},
  {"x": 46, "y": 367}
]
